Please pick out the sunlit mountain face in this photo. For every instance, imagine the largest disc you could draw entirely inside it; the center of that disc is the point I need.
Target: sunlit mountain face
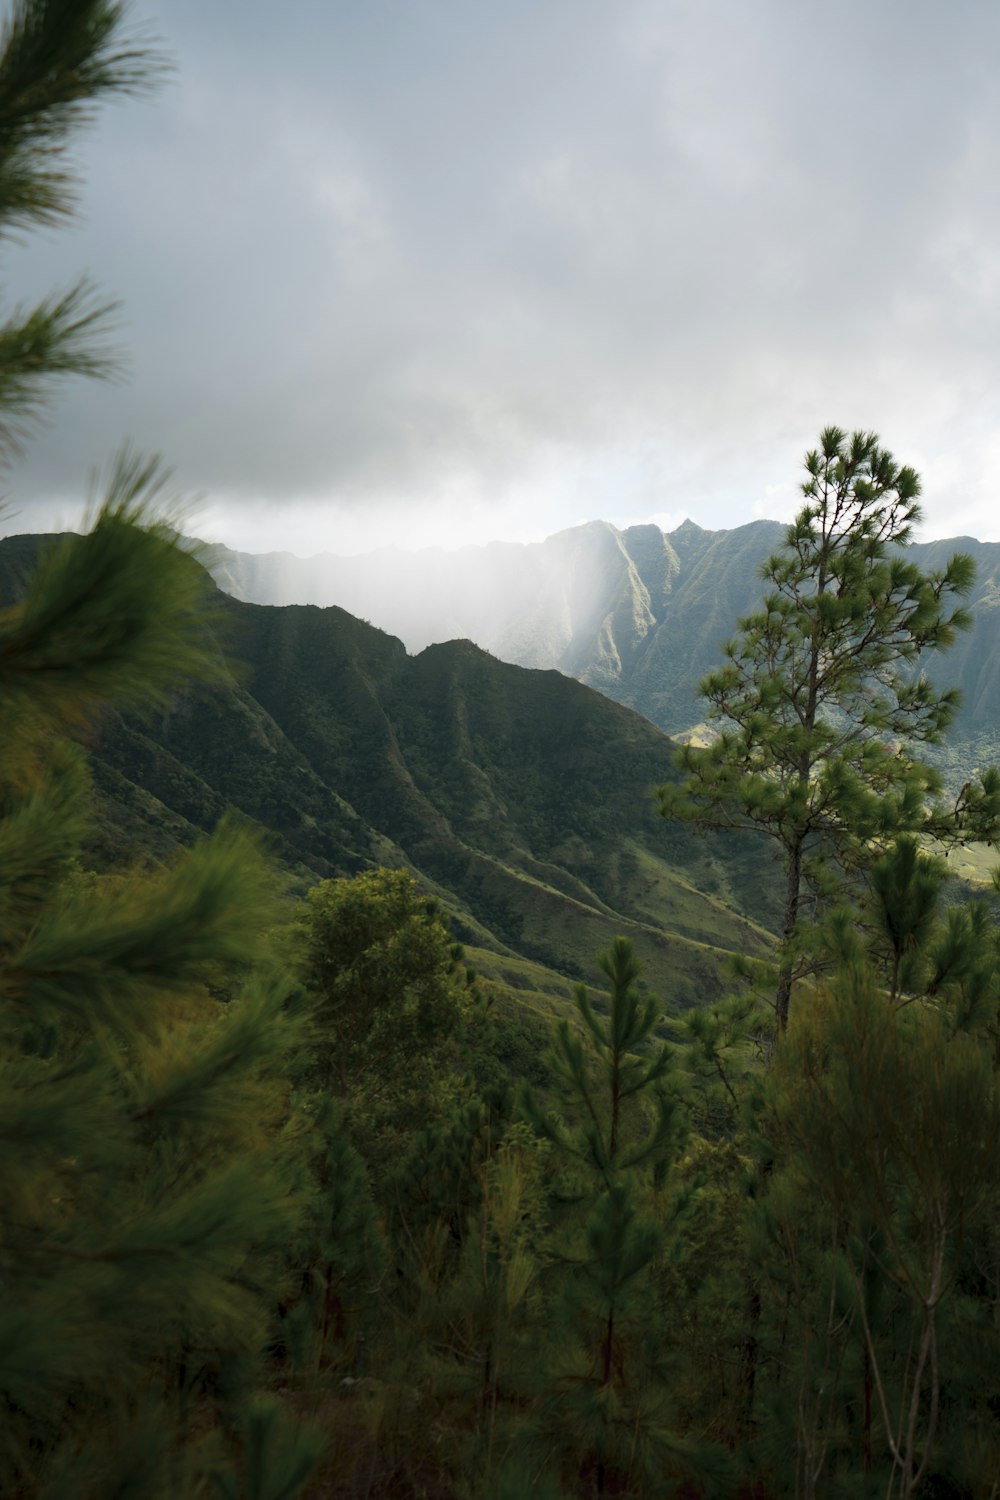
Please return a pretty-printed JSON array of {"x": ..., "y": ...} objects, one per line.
[{"x": 640, "y": 614}]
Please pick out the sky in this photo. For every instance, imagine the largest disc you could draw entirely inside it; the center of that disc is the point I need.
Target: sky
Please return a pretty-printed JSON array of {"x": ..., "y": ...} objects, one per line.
[{"x": 435, "y": 272}]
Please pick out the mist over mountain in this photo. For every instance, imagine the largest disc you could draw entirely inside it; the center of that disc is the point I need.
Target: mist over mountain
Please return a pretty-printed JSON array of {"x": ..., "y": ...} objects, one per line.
[
  {"x": 521, "y": 798},
  {"x": 639, "y": 614}
]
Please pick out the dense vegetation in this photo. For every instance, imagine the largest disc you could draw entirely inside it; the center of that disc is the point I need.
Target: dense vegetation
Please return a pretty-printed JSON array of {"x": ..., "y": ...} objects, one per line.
[{"x": 289, "y": 1206}]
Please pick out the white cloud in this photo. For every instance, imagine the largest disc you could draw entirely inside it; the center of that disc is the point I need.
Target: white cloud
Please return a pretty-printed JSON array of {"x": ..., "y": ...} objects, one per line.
[{"x": 453, "y": 272}]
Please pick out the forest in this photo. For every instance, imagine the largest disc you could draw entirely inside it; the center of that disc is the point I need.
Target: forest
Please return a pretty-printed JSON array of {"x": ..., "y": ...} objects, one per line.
[{"x": 299, "y": 1202}]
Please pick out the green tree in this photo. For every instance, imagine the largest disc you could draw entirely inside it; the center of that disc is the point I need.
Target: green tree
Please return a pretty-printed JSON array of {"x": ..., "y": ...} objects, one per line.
[
  {"x": 468, "y": 1226},
  {"x": 820, "y": 699},
  {"x": 602, "y": 1069},
  {"x": 876, "y": 1238},
  {"x": 895, "y": 1117},
  {"x": 338, "y": 1255},
  {"x": 392, "y": 996},
  {"x": 151, "y": 1174},
  {"x": 610, "y": 1406},
  {"x": 150, "y": 1167}
]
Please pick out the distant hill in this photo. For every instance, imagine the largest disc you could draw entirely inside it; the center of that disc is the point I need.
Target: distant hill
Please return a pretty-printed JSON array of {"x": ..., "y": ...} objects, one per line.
[
  {"x": 639, "y": 614},
  {"x": 521, "y": 797}
]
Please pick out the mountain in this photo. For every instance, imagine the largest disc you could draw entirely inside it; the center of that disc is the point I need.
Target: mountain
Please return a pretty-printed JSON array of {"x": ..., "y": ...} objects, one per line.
[
  {"x": 521, "y": 797},
  {"x": 639, "y": 614}
]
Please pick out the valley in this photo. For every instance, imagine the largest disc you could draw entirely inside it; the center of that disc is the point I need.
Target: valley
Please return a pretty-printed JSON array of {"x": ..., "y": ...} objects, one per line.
[{"x": 519, "y": 797}]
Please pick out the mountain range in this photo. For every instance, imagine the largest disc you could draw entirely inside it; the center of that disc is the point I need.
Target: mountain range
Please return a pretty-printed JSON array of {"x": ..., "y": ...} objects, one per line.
[
  {"x": 518, "y": 791},
  {"x": 521, "y": 798},
  {"x": 639, "y": 614}
]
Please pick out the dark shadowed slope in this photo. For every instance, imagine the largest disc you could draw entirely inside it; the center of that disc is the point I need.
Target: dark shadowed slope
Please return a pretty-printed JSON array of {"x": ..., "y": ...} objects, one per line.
[
  {"x": 639, "y": 614},
  {"x": 522, "y": 797}
]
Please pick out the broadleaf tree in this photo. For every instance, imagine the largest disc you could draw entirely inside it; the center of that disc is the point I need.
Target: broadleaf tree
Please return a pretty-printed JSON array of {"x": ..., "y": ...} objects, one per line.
[
  {"x": 392, "y": 998},
  {"x": 821, "y": 702}
]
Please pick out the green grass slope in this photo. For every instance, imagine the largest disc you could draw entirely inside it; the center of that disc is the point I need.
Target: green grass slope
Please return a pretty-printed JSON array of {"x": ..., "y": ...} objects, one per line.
[{"x": 522, "y": 798}]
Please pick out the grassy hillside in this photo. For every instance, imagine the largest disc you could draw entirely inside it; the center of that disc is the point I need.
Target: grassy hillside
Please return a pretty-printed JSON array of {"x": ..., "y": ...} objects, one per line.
[
  {"x": 522, "y": 798},
  {"x": 523, "y": 794}
]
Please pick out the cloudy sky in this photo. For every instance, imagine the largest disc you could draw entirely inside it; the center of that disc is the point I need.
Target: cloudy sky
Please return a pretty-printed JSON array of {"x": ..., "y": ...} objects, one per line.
[{"x": 439, "y": 271}]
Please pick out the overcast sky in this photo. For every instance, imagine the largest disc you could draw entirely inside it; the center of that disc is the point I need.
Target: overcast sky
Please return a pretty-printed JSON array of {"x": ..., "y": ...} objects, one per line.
[{"x": 439, "y": 271}]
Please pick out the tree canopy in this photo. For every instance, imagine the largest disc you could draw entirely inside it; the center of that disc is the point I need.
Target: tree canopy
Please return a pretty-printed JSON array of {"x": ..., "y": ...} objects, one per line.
[{"x": 821, "y": 700}]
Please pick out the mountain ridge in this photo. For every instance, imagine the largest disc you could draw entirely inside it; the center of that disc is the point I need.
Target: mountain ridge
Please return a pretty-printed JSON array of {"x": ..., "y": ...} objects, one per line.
[
  {"x": 639, "y": 614},
  {"x": 521, "y": 798}
]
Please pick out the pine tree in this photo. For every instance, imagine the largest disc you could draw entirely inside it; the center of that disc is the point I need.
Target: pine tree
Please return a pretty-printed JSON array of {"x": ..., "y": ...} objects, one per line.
[
  {"x": 895, "y": 1116},
  {"x": 58, "y": 59},
  {"x": 883, "y": 1117},
  {"x": 610, "y": 1404},
  {"x": 151, "y": 1167},
  {"x": 468, "y": 1229},
  {"x": 820, "y": 700}
]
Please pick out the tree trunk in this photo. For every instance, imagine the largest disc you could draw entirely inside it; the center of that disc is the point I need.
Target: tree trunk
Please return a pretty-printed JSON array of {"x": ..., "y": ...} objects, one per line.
[
  {"x": 750, "y": 1351},
  {"x": 792, "y": 890},
  {"x": 866, "y": 1428}
]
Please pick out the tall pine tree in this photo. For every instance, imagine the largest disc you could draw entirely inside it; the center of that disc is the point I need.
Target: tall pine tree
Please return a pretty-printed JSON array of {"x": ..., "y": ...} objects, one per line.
[
  {"x": 820, "y": 700},
  {"x": 150, "y": 1164}
]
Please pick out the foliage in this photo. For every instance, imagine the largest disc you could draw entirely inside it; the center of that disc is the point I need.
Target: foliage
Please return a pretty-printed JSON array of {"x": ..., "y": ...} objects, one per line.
[
  {"x": 881, "y": 1116},
  {"x": 393, "y": 1000},
  {"x": 896, "y": 1117},
  {"x": 151, "y": 1169},
  {"x": 819, "y": 701},
  {"x": 602, "y": 1141},
  {"x": 57, "y": 59},
  {"x": 608, "y": 1413},
  {"x": 150, "y": 1162}
]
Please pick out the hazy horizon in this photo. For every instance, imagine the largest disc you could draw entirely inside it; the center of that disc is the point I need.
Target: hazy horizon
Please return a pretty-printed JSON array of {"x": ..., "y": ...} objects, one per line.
[
  {"x": 532, "y": 541},
  {"x": 193, "y": 534}
]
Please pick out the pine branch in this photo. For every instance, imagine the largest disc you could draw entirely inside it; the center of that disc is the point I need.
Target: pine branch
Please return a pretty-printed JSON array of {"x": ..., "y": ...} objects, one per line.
[
  {"x": 58, "y": 59},
  {"x": 116, "y": 615},
  {"x": 62, "y": 335}
]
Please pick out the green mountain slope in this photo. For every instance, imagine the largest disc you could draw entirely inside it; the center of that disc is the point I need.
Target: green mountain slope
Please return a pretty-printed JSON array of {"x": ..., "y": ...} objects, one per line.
[
  {"x": 639, "y": 614},
  {"x": 522, "y": 798},
  {"x": 524, "y": 795}
]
